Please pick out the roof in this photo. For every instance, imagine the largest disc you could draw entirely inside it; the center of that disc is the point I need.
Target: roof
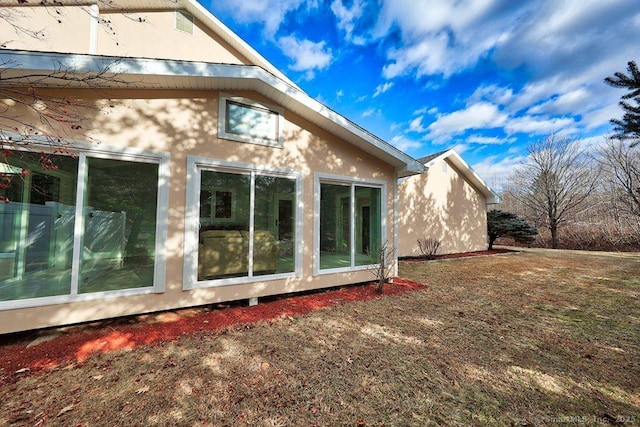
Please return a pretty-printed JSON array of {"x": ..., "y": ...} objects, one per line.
[
  {"x": 427, "y": 159},
  {"x": 44, "y": 69},
  {"x": 192, "y": 6},
  {"x": 454, "y": 158}
]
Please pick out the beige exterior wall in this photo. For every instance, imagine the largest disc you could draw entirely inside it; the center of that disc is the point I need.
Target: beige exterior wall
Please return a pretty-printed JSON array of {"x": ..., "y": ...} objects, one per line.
[
  {"x": 149, "y": 34},
  {"x": 157, "y": 37},
  {"x": 441, "y": 204},
  {"x": 47, "y": 29},
  {"x": 182, "y": 123}
]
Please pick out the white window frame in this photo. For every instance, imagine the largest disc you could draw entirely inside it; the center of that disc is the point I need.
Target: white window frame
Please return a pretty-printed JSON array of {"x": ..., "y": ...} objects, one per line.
[
  {"x": 322, "y": 178},
  {"x": 195, "y": 165},
  {"x": 249, "y": 103},
  {"x": 83, "y": 151}
]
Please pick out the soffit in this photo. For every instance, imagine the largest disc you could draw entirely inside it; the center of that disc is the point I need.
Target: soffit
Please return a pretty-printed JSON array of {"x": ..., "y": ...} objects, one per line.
[{"x": 142, "y": 73}]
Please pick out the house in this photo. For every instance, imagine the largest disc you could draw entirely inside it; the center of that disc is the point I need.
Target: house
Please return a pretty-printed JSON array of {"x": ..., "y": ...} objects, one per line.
[
  {"x": 446, "y": 203},
  {"x": 170, "y": 165}
]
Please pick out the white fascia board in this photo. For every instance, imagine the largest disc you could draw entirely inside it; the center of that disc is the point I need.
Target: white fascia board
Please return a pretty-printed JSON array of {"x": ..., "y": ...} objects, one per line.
[
  {"x": 200, "y": 12},
  {"x": 144, "y": 73},
  {"x": 451, "y": 155},
  {"x": 204, "y": 16}
]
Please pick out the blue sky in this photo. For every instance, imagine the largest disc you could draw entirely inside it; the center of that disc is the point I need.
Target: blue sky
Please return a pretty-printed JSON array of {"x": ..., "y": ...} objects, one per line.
[{"x": 486, "y": 77}]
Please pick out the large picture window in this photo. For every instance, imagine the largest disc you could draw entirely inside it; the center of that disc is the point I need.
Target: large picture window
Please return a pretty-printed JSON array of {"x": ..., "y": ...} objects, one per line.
[
  {"x": 245, "y": 120},
  {"x": 350, "y": 224},
  {"x": 253, "y": 228},
  {"x": 77, "y": 225}
]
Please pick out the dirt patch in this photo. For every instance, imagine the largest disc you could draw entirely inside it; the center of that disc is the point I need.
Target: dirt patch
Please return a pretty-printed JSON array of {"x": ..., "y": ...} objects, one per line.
[
  {"x": 27, "y": 353},
  {"x": 456, "y": 255}
]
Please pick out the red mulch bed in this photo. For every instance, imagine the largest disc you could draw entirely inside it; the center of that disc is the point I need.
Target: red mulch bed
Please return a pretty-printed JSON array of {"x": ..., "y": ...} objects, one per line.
[
  {"x": 77, "y": 343},
  {"x": 457, "y": 255}
]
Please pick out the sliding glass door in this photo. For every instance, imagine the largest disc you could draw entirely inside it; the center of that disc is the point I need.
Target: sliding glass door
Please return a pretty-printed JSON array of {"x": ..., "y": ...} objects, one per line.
[
  {"x": 76, "y": 225},
  {"x": 350, "y": 224},
  {"x": 246, "y": 223}
]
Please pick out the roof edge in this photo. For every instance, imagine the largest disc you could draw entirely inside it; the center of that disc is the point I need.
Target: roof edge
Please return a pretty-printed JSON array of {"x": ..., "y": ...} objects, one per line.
[
  {"x": 491, "y": 196},
  {"x": 15, "y": 61}
]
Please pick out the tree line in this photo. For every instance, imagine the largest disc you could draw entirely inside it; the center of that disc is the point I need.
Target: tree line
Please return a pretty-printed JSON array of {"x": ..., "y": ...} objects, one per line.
[{"x": 579, "y": 195}]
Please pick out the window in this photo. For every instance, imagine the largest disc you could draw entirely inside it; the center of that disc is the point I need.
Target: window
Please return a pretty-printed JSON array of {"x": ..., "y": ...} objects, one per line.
[
  {"x": 247, "y": 224},
  {"x": 184, "y": 22},
  {"x": 244, "y": 120},
  {"x": 350, "y": 223},
  {"x": 86, "y": 225}
]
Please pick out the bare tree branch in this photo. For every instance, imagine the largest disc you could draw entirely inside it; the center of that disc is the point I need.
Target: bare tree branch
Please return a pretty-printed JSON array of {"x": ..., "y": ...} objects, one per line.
[{"x": 555, "y": 181}]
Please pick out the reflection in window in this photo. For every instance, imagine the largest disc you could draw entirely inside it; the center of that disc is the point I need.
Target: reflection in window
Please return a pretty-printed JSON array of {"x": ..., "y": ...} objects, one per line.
[
  {"x": 223, "y": 204},
  {"x": 335, "y": 225},
  {"x": 251, "y": 121},
  {"x": 36, "y": 226},
  {"x": 118, "y": 250},
  {"x": 350, "y": 225},
  {"x": 225, "y": 240},
  {"x": 246, "y": 120}
]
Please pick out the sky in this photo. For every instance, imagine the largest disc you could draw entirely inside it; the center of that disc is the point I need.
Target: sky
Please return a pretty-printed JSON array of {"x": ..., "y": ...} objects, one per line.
[{"x": 485, "y": 77}]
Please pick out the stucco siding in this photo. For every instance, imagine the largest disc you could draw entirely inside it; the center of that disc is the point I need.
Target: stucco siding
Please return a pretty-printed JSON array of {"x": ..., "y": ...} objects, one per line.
[
  {"x": 147, "y": 34},
  {"x": 154, "y": 35},
  {"x": 442, "y": 205},
  {"x": 184, "y": 123},
  {"x": 48, "y": 29}
]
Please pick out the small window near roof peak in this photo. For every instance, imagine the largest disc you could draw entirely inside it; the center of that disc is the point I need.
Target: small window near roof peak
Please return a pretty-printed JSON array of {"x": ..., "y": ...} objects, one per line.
[
  {"x": 244, "y": 120},
  {"x": 184, "y": 21}
]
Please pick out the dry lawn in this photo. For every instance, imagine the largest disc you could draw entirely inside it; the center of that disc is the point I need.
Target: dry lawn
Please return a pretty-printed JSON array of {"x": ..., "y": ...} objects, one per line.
[{"x": 538, "y": 338}]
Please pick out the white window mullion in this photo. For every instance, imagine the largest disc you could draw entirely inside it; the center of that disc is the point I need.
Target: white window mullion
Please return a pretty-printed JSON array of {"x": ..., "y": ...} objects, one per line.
[
  {"x": 352, "y": 224},
  {"x": 78, "y": 229},
  {"x": 252, "y": 204}
]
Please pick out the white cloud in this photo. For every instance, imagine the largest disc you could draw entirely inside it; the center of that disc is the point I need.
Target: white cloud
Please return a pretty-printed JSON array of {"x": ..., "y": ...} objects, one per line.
[
  {"x": 441, "y": 36},
  {"x": 491, "y": 93},
  {"x": 540, "y": 125},
  {"x": 416, "y": 125},
  {"x": 426, "y": 57},
  {"x": 369, "y": 112},
  {"x": 347, "y": 18},
  {"x": 566, "y": 103},
  {"x": 307, "y": 55},
  {"x": 460, "y": 148},
  {"x": 270, "y": 13},
  {"x": 566, "y": 48},
  {"x": 496, "y": 171},
  {"x": 382, "y": 88},
  {"x": 403, "y": 143},
  {"x": 489, "y": 140},
  {"x": 478, "y": 116}
]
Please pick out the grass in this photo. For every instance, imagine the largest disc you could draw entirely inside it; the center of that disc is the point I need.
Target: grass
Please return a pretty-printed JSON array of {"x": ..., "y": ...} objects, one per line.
[{"x": 537, "y": 338}]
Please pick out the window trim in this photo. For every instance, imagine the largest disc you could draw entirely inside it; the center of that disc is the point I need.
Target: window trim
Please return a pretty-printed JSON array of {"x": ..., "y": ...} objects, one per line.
[
  {"x": 84, "y": 150},
  {"x": 277, "y": 142},
  {"x": 195, "y": 165},
  {"x": 323, "y": 178}
]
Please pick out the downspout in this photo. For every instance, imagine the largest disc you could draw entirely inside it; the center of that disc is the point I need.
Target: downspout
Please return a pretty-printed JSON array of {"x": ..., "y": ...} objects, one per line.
[{"x": 94, "y": 20}]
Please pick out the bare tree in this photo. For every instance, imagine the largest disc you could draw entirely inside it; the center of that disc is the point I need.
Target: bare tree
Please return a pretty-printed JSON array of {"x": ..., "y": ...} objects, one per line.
[
  {"x": 554, "y": 182},
  {"x": 385, "y": 265},
  {"x": 620, "y": 160},
  {"x": 29, "y": 112}
]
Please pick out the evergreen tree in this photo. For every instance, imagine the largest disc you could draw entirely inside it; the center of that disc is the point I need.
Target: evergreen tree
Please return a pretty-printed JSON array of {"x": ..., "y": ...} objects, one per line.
[
  {"x": 501, "y": 223},
  {"x": 629, "y": 125}
]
